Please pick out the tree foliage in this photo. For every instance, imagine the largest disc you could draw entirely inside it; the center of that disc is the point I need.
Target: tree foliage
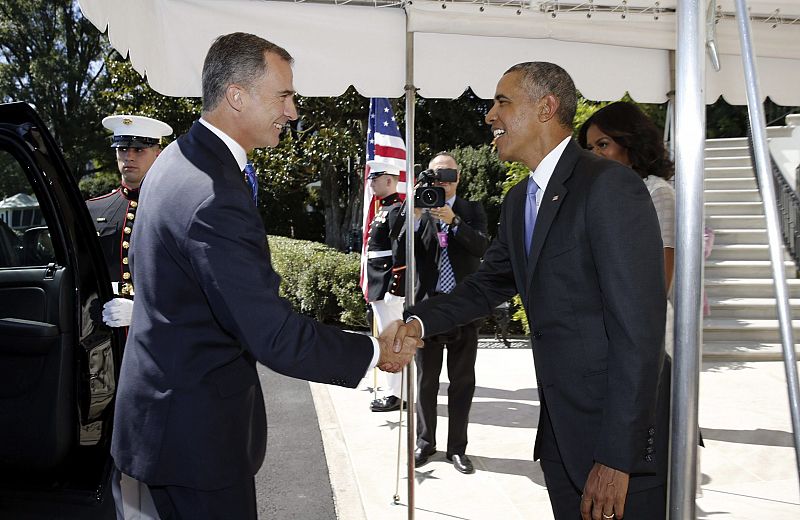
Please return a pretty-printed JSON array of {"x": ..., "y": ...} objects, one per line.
[
  {"x": 482, "y": 176},
  {"x": 52, "y": 57}
]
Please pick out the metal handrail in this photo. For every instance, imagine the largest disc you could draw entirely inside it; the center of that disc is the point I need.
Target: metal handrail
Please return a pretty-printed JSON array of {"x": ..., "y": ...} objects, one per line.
[{"x": 788, "y": 207}]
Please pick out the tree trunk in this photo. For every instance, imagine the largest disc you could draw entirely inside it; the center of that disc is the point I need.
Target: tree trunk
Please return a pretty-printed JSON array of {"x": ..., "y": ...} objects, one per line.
[{"x": 341, "y": 194}]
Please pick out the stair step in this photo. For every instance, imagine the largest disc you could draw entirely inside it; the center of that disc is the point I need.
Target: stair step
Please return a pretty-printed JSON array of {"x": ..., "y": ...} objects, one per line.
[
  {"x": 745, "y": 269},
  {"x": 712, "y": 172},
  {"x": 736, "y": 221},
  {"x": 719, "y": 162},
  {"x": 741, "y": 252},
  {"x": 731, "y": 183},
  {"x": 752, "y": 308},
  {"x": 740, "y": 236},
  {"x": 734, "y": 208},
  {"x": 726, "y": 142},
  {"x": 748, "y": 287},
  {"x": 744, "y": 329},
  {"x": 743, "y": 351},
  {"x": 728, "y": 151},
  {"x": 747, "y": 195}
]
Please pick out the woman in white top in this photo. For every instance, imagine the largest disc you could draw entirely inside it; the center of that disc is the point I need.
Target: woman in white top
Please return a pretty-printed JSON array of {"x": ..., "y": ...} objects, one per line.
[{"x": 623, "y": 133}]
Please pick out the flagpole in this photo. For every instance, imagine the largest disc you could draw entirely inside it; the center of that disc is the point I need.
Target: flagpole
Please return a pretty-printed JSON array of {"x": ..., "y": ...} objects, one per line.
[{"x": 410, "y": 91}]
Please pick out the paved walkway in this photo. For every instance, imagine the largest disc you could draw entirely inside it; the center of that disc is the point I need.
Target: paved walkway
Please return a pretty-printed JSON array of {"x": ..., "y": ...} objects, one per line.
[{"x": 748, "y": 465}]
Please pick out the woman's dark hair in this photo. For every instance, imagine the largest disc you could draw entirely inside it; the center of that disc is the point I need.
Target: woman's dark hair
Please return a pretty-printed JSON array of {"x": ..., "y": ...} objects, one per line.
[{"x": 630, "y": 128}]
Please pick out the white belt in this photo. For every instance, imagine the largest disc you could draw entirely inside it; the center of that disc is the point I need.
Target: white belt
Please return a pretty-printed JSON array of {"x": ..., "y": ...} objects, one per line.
[{"x": 379, "y": 254}]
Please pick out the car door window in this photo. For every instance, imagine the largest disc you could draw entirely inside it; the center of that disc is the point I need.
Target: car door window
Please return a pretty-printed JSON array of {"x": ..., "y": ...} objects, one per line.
[{"x": 24, "y": 233}]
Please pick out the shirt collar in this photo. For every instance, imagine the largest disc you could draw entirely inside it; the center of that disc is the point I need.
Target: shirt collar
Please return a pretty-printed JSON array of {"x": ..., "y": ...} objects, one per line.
[
  {"x": 236, "y": 149},
  {"x": 541, "y": 175},
  {"x": 451, "y": 201}
]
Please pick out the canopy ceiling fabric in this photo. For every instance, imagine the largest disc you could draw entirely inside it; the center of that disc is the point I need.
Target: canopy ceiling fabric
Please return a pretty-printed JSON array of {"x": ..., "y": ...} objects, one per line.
[{"x": 457, "y": 44}]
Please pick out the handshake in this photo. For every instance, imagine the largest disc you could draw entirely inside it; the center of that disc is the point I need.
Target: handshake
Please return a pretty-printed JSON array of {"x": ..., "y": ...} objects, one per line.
[{"x": 398, "y": 343}]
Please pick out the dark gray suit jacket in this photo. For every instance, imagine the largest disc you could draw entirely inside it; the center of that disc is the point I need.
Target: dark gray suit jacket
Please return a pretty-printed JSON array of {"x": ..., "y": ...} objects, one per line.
[
  {"x": 190, "y": 410},
  {"x": 593, "y": 291},
  {"x": 465, "y": 246}
]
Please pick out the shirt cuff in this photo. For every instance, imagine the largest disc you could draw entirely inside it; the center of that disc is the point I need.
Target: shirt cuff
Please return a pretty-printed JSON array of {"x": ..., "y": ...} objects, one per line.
[
  {"x": 421, "y": 325},
  {"x": 376, "y": 354}
]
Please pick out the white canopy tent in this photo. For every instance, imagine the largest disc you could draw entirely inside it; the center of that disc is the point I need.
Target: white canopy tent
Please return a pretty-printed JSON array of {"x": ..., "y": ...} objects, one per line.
[
  {"x": 649, "y": 48},
  {"x": 457, "y": 44}
]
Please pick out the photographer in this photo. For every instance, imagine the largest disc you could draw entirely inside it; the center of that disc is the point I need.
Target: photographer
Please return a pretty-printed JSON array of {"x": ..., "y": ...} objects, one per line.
[{"x": 450, "y": 241}]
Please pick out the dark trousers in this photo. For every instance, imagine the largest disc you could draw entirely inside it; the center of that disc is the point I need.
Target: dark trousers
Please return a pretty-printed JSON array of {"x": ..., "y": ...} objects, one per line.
[
  {"x": 565, "y": 498},
  {"x": 565, "y": 495},
  {"x": 237, "y": 502},
  {"x": 462, "y": 349}
]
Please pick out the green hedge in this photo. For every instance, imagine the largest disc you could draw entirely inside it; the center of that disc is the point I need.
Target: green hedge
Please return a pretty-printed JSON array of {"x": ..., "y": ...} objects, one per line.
[
  {"x": 319, "y": 281},
  {"x": 322, "y": 282}
]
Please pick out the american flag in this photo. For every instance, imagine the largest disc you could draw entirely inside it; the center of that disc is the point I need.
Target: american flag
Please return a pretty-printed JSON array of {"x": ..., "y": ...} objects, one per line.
[{"x": 384, "y": 143}]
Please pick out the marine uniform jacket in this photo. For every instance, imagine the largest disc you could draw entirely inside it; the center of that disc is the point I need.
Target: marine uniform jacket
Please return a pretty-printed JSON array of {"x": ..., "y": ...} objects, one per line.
[
  {"x": 114, "y": 215},
  {"x": 596, "y": 305},
  {"x": 190, "y": 409},
  {"x": 381, "y": 248}
]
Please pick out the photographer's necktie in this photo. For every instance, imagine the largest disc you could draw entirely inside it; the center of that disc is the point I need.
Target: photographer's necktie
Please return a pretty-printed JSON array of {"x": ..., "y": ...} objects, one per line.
[
  {"x": 252, "y": 181},
  {"x": 530, "y": 213},
  {"x": 447, "y": 279}
]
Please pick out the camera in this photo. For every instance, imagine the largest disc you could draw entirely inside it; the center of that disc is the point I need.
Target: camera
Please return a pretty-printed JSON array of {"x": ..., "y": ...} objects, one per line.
[{"x": 426, "y": 195}]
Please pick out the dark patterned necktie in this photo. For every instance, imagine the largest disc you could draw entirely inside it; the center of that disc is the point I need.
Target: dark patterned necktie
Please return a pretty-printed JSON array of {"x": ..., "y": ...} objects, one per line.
[
  {"x": 252, "y": 181},
  {"x": 447, "y": 279}
]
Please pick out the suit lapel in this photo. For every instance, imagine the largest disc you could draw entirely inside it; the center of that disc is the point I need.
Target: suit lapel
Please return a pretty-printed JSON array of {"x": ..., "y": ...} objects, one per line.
[{"x": 552, "y": 199}]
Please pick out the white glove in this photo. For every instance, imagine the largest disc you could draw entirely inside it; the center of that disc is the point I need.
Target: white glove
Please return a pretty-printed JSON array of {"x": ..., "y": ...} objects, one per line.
[
  {"x": 391, "y": 299},
  {"x": 117, "y": 312}
]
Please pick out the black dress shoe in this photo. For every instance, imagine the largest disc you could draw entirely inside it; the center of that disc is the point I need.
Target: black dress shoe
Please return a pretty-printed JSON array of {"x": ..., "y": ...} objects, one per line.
[
  {"x": 462, "y": 463},
  {"x": 386, "y": 404},
  {"x": 421, "y": 456}
]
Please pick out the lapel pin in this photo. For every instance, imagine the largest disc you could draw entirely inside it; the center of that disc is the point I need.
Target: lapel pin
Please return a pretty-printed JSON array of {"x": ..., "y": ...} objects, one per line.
[{"x": 555, "y": 198}]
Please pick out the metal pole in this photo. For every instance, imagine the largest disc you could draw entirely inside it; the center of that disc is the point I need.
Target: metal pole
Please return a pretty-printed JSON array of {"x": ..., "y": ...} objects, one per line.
[
  {"x": 689, "y": 153},
  {"x": 411, "y": 268},
  {"x": 396, "y": 497},
  {"x": 759, "y": 132}
]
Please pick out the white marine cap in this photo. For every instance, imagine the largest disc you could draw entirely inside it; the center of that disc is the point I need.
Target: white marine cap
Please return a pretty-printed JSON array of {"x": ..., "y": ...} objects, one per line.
[
  {"x": 135, "y": 131},
  {"x": 378, "y": 168}
]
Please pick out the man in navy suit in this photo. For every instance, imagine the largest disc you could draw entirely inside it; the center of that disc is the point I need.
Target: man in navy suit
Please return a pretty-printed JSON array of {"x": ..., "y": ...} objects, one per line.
[
  {"x": 579, "y": 241},
  {"x": 190, "y": 419}
]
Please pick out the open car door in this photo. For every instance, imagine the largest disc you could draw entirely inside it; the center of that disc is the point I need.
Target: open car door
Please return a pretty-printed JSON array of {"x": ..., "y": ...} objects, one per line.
[{"x": 58, "y": 363}]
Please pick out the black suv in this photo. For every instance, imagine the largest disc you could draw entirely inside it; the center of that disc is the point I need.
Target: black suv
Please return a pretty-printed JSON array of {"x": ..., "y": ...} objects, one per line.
[{"x": 59, "y": 364}]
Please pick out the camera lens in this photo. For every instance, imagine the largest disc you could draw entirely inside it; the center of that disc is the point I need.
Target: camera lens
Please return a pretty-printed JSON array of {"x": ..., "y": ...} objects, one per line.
[{"x": 429, "y": 197}]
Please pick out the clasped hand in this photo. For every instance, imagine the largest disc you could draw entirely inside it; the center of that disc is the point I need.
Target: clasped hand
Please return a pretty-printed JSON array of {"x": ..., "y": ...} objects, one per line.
[{"x": 398, "y": 344}]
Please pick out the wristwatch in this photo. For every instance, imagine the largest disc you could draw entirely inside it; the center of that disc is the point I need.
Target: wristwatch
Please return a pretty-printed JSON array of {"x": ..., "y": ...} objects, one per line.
[{"x": 456, "y": 221}]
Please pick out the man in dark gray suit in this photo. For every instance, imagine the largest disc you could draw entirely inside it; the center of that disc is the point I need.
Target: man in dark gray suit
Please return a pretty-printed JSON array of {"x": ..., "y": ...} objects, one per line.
[
  {"x": 579, "y": 241},
  {"x": 190, "y": 419}
]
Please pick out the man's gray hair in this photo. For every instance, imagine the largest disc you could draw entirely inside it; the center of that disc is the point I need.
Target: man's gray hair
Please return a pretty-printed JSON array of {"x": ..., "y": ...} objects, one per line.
[
  {"x": 540, "y": 78},
  {"x": 235, "y": 58}
]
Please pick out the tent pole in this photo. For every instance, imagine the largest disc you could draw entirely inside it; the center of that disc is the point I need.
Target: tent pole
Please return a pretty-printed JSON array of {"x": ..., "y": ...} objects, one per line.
[
  {"x": 690, "y": 120},
  {"x": 411, "y": 431},
  {"x": 758, "y": 128}
]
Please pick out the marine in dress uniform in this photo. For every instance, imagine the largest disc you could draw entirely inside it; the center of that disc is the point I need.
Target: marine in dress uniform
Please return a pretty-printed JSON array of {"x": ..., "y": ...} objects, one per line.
[
  {"x": 137, "y": 143},
  {"x": 383, "y": 264}
]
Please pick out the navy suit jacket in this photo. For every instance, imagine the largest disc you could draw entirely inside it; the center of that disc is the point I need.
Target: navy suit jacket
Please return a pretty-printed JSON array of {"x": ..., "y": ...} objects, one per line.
[
  {"x": 190, "y": 409},
  {"x": 593, "y": 291}
]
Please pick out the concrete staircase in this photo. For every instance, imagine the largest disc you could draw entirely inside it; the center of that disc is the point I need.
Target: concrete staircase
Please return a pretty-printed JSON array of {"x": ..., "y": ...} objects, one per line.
[{"x": 743, "y": 325}]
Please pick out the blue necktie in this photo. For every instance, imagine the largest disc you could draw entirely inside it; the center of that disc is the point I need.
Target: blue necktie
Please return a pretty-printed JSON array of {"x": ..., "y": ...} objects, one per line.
[
  {"x": 530, "y": 213},
  {"x": 447, "y": 279},
  {"x": 252, "y": 181}
]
